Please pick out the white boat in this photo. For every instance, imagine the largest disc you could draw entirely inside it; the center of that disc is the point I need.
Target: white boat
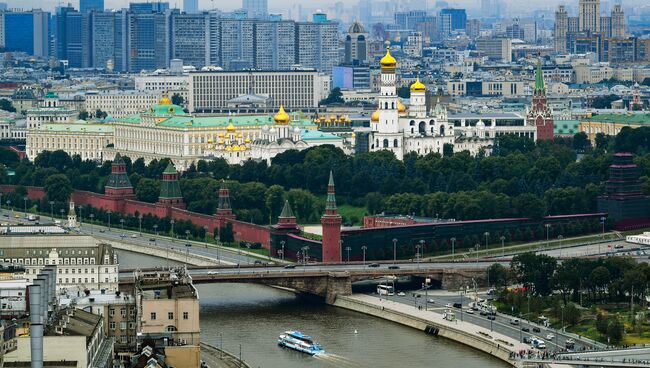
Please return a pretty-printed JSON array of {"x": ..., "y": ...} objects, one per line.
[{"x": 298, "y": 341}]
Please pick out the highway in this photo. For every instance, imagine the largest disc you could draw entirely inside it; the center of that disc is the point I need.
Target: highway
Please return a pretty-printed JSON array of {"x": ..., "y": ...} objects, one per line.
[{"x": 436, "y": 300}]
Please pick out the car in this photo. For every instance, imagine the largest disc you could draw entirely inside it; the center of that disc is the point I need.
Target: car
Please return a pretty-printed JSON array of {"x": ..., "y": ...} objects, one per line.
[
  {"x": 469, "y": 311},
  {"x": 102, "y": 231},
  {"x": 257, "y": 262},
  {"x": 514, "y": 321},
  {"x": 525, "y": 329},
  {"x": 401, "y": 293},
  {"x": 213, "y": 272},
  {"x": 17, "y": 216},
  {"x": 433, "y": 301},
  {"x": 134, "y": 235},
  {"x": 483, "y": 312},
  {"x": 152, "y": 239},
  {"x": 373, "y": 265},
  {"x": 458, "y": 305},
  {"x": 618, "y": 246},
  {"x": 290, "y": 266},
  {"x": 491, "y": 317},
  {"x": 6, "y": 215},
  {"x": 122, "y": 235},
  {"x": 393, "y": 267},
  {"x": 550, "y": 336},
  {"x": 536, "y": 329},
  {"x": 448, "y": 305},
  {"x": 527, "y": 340}
]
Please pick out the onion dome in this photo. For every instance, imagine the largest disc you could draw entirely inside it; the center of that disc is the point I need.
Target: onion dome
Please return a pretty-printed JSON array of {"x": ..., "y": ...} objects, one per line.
[
  {"x": 240, "y": 135},
  {"x": 247, "y": 140},
  {"x": 210, "y": 140},
  {"x": 235, "y": 147},
  {"x": 164, "y": 100},
  {"x": 388, "y": 62},
  {"x": 480, "y": 125},
  {"x": 220, "y": 141},
  {"x": 221, "y": 135},
  {"x": 400, "y": 107},
  {"x": 418, "y": 86},
  {"x": 230, "y": 128},
  {"x": 296, "y": 130},
  {"x": 242, "y": 147},
  {"x": 228, "y": 148},
  {"x": 281, "y": 117},
  {"x": 354, "y": 135},
  {"x": 375, "y": 116}
]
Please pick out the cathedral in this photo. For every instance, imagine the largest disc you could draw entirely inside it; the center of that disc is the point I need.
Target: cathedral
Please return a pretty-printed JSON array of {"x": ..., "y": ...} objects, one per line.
[{"x": 399, "y": 130}]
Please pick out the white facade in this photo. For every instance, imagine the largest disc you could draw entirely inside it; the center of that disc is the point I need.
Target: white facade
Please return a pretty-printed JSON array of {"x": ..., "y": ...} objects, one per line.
[
  {"x": 86, "y": 139},
  {"x": 211, "y": 90},
  {"x": 119, "y": 104},
  {"x": 50, "y": 112},
  {"x": 643, "y": 239}
]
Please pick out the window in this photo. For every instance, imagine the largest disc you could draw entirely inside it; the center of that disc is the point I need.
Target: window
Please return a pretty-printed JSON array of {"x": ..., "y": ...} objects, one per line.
[
  {"x": 170, "y": 315},
  {"x": 123, "y": 312},
  {"x": 186, "y": 315},
  {"x": 123, "y": 325},
  {"x": 111, "y": 312},
  {"x": 153, "y": 316},
  {"x": 111, "y": 325}
]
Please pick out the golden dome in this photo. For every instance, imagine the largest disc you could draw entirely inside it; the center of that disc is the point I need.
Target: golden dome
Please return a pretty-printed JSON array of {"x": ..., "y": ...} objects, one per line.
[
  {"x": 400, "y": 107},
  {"x": 418, "y": 86},
  {"x": 354, "y": 135},
  {"x": 240, "y": 135},
  {"x": 388, "y": 61},
  {"x": 221, "y": 135},
  {"x": 242, "y": 148},
  {"x": 332, "y": 118},
  {"x": 235, "y": 147},
  {"x": 228, "y": 148},
  {"x": 230, "y": 128},
  {"x": 375, "y": 116},
  {"x": 220, "y": 141},
  {"x": 164, "y": 100},
  {"x": 247, "y": 140},
  {"x": 281, "y": 117}
]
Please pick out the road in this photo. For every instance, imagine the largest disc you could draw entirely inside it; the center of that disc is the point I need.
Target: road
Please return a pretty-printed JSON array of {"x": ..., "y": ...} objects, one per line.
[{"x": 501, "y": 324}]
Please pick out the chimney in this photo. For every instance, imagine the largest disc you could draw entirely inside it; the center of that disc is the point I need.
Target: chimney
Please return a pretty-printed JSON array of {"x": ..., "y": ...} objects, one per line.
[
  {"x": 53, "y": 284},
  {"x": 35, "y": 327},
  {"x": 41, "y": 281}
]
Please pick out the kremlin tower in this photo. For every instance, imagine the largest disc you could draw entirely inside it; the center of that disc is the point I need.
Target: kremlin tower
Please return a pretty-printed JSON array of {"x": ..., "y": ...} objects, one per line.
[
  {"x": 331, "y": 223},
  {"x": 540, "y": 114}
]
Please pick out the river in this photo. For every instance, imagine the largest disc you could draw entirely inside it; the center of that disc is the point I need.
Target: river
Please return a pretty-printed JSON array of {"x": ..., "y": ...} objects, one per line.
[{"x": 253, "y": 316}]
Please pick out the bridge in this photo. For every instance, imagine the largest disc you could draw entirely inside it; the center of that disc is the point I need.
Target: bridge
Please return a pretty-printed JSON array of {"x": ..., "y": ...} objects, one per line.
[{"x": 330, "y": 280}]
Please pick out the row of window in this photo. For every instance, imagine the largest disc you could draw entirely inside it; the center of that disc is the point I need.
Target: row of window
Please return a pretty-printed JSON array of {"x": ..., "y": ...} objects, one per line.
[{"x": 170, "y": 315}]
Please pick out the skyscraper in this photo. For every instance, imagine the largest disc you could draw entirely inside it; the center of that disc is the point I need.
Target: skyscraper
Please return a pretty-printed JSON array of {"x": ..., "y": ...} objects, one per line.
[
  {"x": 190, "y": 39},
  {"x": 191, "y": 6},
  {"x": 147, "y": 41},
  {"x": 317, "y": 44},
  {"x": 237, "y": 44},
  {"x": 618, "y": 21},
  {"x": 149, "y": 7},
  {"x": 102, "y": 40},
  {"x": 28, "y": 32},
  {"x": 356, "y": 44},
  {"x": 256, "y": 9},
  {"x": 589, "y": 15},
  {"x": 274, "y": 45},
  {"x": 88, "y": 5},
  {"x": 452, "y": 20}
]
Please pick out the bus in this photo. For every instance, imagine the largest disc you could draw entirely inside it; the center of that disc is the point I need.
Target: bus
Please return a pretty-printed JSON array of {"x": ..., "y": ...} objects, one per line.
[{"x": 385, "y": 290}]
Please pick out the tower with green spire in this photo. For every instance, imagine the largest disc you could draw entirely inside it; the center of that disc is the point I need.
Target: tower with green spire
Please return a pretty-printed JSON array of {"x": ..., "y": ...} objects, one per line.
[
  {"x": 118, "y": 183},
  {"x": 331, "y": 224},
  {"x": 540, "y": 115},
  {"x": 170, "y": 188}
]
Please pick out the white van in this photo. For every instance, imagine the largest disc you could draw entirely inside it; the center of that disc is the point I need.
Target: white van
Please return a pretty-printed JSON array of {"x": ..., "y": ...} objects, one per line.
[{"x": 514, "y": 321}]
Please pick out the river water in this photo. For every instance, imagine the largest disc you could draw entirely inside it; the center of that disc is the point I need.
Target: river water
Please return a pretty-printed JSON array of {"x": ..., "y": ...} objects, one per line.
[{"x": 252, "y": 316}]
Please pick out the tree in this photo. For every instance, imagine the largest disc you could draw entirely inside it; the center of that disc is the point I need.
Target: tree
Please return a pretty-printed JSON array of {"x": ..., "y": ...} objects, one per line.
[
  {"x": 374, "y": 203},
  {"x": 581, "y": 142},
  {"x": 274, "y": 200},
  {"x": 99, "y": 114},
  {"x": 58, "y": 188},
  {"x": 498, "y": 275},
  {"x": 147, "y": 190},
  {"x": 572, "y": 314},
  {"x": 447, "y": 149},
  {"x": 177, "y": 99},
  {"x": 6, "y": 105},
  {"x": 533, "y": 270},
  {"x": 226, "y": 234},
  {"x": 335, "y": 97},
  {"x": 83, "y": 115}
]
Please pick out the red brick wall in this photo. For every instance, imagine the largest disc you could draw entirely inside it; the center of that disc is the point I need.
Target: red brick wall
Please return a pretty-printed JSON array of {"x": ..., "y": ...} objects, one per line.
[
  {"x": 244, "y": 231},
  {"x": 34, "y": 193}
]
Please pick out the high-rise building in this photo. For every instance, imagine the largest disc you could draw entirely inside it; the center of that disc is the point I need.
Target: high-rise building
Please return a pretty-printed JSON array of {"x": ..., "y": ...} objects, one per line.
[
  {"x": 60, "y": 33},
  {"x": 256, "y": 9},
  {"x": 451, "y": 20},
  {"x": 495, "y": 48},
  {"x": 589, "y": 15},
  {"x": 76, "y": 35},
  {"x": 237, "y": 44},
  {"x": 89, "y": 5},
  {"x": 147, "y": 41},
  {"x": 473, "y": 28},
  {"x": 149, "y": 7},
  {"x": 317, "y": 44},
  {"x": 409, "y": 20},
  {"x": 356, "y": 44},
  {"x": 27, "y": 32},
  {"x": 190, "y": 39},
  {"x": 3, "y": 6},
  {"x": 191, "y": 6},
  {"x": 274, "y": 45},
  {"x": 618, "y": 21},
  {"x": 561, "y": 28},
  {"x": 102, "y": 40}
]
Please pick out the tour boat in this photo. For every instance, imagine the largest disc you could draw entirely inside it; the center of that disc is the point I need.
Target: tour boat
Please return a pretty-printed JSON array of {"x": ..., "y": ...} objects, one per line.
[{"x": 298, "y": 341}]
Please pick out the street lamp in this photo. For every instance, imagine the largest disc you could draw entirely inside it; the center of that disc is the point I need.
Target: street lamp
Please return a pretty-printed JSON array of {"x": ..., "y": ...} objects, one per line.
[
  {"x": 487, "y": 236},
  {"x": 205, "y": 236},
  {"x": 602, "y": 223},
  {"x": 417, "y": 254},
  {"x": 61, "y": 211},
  {"x": 25, "y": 201},
  {"x": 187, "y": 235},
  {"x": 140, "y": 224},
  {"x": 348, "y": 251},
  {"x": 548, "y": 227},
  {"x": 503, "y": 246},
  {"x": 453, "y": 243},
  {"x": 187, "y": 252},
  {"x": 421, "y": 249},
  {"x": 109, "y": 220},
  {"x": 122, "y": 223},
  {"x": 559, "y": 238},
  {"x": 172, "y": 223},
  {"x": 51, "y": 209},
  {"x": 394, "y": 250},
  {"x": 92, "y": 220},
  {"x": 281, "y": 251},
  {"x": 155, "y": 229},
  {"x": 12, "y": 208},
  {"x": 363, "y": 250},
  {"x": 477, "y": 246}
]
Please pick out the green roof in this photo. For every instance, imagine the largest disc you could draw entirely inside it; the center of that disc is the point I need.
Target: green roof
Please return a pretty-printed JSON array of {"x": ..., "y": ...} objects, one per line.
[
  {"x": 166, "y": 110},
  {"x": 224, "y": 121},
  {"x": 77, "y": 127},
  {"x": 539, "y": 77},
  {"x": 309, "y": 135},
  {"x": 629, "y": 118},
  {"x": 171, "y": 169},
  {"x": 51, "y": 94},
  {"x": 566, "y": 127}
]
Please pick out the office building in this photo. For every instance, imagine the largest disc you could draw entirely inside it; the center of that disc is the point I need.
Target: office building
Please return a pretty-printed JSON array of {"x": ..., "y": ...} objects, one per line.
[
  {"x": 76, "y": 35},
  {"x": 27, "y": 32},
  {"x": 210, "y": 91},
  {"x": 190, "y": 39},
  {"x": 356, "y": 44},
  {"x": 274, "y": 45},
  {"x": 409, "y": 20},
  {"x": 149, "y": 7},
  {"x": 351, "y": 76},
  {"x": 451, "y": 20},
  {"x": 317, "y": 44},
  {"x": 148, "y": 41},
  {"x": 256, "y": 9},
  {"x": 91, "y": 5},
  {"x": 495, "y": 48},
  {"x": 191, "y": 6},
  {"x": 102, "y": 40},
  {"x": 473, "y": 28},
  {"x": 618, "y": 22},
  {"x": 236, "y": 41},
  {"x": 119, "y": 104}
]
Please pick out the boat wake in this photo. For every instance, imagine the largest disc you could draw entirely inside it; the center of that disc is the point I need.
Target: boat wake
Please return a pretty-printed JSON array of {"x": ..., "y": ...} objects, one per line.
[{"x": 337, "y": 360}]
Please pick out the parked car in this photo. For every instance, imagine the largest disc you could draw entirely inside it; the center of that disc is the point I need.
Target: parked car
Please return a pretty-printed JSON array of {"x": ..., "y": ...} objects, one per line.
[
  {"x": 483, "y": 312},
  {"x": 152, "y": 239},
  {"x": 527, "y": 340},
  {"x": 290, "y": 266},
  {"x": 373, "y": 265},
  {"x": 134, "y": 235},
  {"x": 393, "y": 267},
  {"x": 401, "y": 293},
  {"x": 431, "y": 301},
  {"x": 550, "y": 336},
  {"x": 536, "y": 329},
  {"x": 514, "y": 321},
  {"x": 525, "y": 329},
  {"x": 448, "y": 305},
  {"x": 469, "y": 311},
  {"x": 491, "y": 317}
]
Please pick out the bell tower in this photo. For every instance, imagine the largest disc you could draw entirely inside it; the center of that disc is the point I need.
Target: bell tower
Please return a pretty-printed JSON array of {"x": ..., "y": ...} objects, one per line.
[{"x": 386, "y": 132}]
